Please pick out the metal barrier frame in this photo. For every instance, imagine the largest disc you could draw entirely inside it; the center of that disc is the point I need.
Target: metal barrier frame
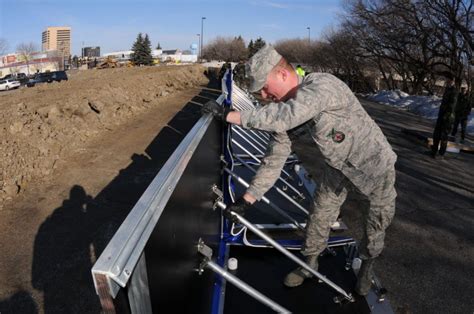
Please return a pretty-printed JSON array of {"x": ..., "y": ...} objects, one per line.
[{"x": 122, "y": 263}]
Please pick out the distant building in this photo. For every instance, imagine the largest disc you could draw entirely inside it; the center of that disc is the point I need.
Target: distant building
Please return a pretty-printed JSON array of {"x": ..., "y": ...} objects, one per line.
[
  {"x": 171, "y": 52},
  {"x": 91, "y": 52},
  {"x": 57, "y": 38},
  {"x": 178, "y": 56},
  {"x": 156, "y": 53},
  {"x": 119, "y": 55},
  {"x": 39, "y": 62},
  {"x": 174, "y": 55}
]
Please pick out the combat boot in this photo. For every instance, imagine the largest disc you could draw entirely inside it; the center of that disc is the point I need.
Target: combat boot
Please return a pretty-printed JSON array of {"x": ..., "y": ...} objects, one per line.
[
  {"x": 297, "y": 276},
  {"x": 365, "y": 277}
]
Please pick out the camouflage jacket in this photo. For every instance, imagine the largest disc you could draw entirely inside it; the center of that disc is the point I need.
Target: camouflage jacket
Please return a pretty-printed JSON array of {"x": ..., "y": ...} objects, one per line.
[
  {"x": 347, "y": 137},
  {"x": 446, "y": 109},
  {"x": 463, "y": 106}
]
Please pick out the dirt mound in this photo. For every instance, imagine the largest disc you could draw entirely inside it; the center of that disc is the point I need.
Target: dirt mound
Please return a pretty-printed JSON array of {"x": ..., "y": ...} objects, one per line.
[{"x": 40, "y": 125}]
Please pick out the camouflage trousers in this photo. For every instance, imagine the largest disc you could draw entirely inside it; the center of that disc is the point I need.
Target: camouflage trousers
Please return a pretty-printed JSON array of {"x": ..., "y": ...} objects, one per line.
[{"x": 329, "y": 198}]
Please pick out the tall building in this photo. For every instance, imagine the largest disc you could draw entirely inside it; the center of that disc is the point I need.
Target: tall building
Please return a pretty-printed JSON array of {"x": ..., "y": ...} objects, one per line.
[
  {"x": 57, "y": 38},
  {"x": 91, "y": 52}
]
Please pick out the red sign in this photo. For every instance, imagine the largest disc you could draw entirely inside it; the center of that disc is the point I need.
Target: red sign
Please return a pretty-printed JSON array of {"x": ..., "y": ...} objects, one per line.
[{"x": 11, "y": 59}]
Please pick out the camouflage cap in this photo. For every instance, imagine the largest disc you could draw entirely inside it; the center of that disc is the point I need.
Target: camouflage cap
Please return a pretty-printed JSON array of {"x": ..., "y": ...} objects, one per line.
[{"x": 260, "y": 65}]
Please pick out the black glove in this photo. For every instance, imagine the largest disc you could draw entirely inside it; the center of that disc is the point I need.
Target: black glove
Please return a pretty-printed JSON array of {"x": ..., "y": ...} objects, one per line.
[
  {"x": 239, "y": 207},
  {"x": 219, "y": 112}
]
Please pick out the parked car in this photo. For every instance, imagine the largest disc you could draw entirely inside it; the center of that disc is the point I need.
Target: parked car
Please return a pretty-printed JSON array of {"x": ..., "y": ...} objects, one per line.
[
  {"x": 20, "y": 77},
  {"x": 47, "y": 77},
  {"x": 9, "y": 84}
]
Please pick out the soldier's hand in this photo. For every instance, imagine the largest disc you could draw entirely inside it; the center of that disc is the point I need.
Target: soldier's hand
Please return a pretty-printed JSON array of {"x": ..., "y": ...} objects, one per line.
[
  {"x": 218, "y": 111},
  {"x": 239, "y": 207}
]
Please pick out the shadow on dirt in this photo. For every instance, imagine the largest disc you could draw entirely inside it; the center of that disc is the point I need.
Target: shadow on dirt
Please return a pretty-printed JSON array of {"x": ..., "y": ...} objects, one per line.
[{"x": 71, "y": 239}]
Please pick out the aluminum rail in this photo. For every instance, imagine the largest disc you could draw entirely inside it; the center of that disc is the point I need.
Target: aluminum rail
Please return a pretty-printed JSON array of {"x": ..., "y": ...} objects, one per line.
[
  {"x": 245, "y": 287},
  {"x": 288, "y": 254},
  {"x": 300, "y": 195},
  {"x": 236, "y": 128},
  {"x": 245, "y": 150},
  {"x": 119, "y": 258},
  {"x": 264, "y": 134},
  {"x": 266, "y": 200},
  {"x": 248, "y": 141},
  {"x": 242, "y": 102},
  {"x": 282, "y": 193}
]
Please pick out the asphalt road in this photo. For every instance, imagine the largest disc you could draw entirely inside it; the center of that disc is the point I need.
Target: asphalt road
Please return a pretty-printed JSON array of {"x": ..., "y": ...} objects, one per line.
[{"x": 428, "y": 262}]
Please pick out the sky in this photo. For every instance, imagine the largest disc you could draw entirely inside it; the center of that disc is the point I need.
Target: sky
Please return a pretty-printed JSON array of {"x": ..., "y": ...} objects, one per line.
[{"x": 114, "y": 25}]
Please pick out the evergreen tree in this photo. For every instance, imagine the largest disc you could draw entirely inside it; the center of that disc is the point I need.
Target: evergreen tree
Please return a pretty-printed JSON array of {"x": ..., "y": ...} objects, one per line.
[
  {"x": 259, "y": 43},
  {"x": 250, "y": 48},
  {"x": 142, "y": 51},
  {"x": 147, "y": 57},
  {"x": 135, "y": 57},
  {"x": 158, "y": 46}
]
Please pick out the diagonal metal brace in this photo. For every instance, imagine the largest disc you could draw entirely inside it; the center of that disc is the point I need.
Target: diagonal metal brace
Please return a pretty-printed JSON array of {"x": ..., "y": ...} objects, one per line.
[
  {"x": 290, "y": 255},
  {"x": 209, "y": 264}
]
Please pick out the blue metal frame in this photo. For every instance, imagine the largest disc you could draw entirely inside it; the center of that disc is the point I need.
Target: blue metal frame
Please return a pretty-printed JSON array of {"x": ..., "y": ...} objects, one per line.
[
  {"x": 216, "y": 294},
  {"x": 227, "y": 238}
]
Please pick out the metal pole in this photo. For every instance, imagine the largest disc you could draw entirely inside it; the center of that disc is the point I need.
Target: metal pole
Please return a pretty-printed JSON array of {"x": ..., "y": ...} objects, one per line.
[
  {"x": 266, "y": 200},
  {"x": 309, "y": 34},
  {"x": 248, "y": 141},
  {"x": 246, "y": 101},
  {"x": 199, "y": 43},
  {"x": 202, "y": 34},
  {"x": 246, "y": 288},
  {"x": 277, "y": 188},
  {"x": 290, "y": 255},
  {"x": 256, "y": 148},
  {"x": 301, "y": 195},
  {"x": 237, "y": 127},
  {"x": 138, "y": 289}
]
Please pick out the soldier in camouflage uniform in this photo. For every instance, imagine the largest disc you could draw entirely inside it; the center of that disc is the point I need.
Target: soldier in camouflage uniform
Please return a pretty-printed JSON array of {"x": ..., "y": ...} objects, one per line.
[
  {"x": 445, "y": 117},
  {"x": 357, "y": 154},
  {"x": 461, "y": 113},
  {"x": 226, "y": 66},
  {"x": 239, "y": 75}
]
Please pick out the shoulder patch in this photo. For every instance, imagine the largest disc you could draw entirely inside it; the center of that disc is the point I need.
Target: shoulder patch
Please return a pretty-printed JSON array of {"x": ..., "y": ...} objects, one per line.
[{"x": 337, "y": 136}]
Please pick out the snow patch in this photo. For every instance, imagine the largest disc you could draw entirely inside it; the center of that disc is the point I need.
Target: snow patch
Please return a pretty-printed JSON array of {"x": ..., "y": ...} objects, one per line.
[{"x": 425, "y": 106}]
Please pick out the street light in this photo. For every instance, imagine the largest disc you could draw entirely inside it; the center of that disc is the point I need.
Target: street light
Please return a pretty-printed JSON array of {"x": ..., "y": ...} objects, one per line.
[
  {"x": 309, "y": 34},
  {"x": 202, "y": 36},
  {"x": 199, "y": 43}
]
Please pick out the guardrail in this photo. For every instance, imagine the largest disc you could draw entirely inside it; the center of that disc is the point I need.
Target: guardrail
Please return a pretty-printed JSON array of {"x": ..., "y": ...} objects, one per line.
[{"x": 123, "y": 264}]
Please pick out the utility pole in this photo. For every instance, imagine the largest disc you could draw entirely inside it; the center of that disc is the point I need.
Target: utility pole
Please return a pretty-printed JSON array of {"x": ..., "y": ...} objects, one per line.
[
  {"x": 309, "y": 34},
  {"x": 199, "y": 44},
  {"x": 202, "y": 37}
]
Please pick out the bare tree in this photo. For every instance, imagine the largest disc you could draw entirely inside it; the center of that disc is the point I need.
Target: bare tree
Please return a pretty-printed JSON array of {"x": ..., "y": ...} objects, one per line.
[
  {"x": 296, "y": 50},
  {"x": 226, "y": 49},
  {"x": 3, "y": 46},
  {"x": 452, "y": 22},
  {"x": 26, "y": 50},
  {"x": 413, "y": 40}
]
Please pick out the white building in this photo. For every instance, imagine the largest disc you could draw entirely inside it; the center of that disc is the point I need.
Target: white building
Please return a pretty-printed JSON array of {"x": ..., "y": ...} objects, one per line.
[
  {"x": 123, "y": 55},
  {"x": 37, "y": 62},
  {"x": 174, "y": 55}
]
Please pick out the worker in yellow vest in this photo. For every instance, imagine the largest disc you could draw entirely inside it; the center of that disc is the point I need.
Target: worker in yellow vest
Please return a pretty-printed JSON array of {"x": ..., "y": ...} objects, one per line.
[{"x": 300, "y": 71}]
